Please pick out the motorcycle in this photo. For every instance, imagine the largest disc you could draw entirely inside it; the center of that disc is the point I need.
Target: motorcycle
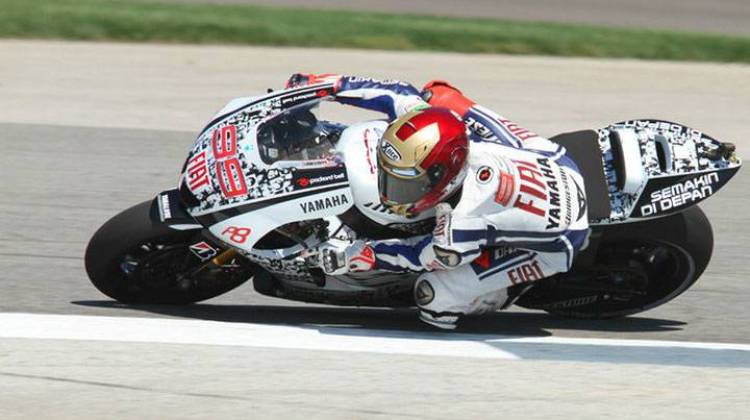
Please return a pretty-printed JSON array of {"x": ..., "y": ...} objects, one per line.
[{"x": 267, "y": 181}]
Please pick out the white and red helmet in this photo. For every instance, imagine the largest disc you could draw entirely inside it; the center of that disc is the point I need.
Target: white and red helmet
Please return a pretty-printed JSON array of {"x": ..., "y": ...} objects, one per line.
[{"x": 421, "y": 160}]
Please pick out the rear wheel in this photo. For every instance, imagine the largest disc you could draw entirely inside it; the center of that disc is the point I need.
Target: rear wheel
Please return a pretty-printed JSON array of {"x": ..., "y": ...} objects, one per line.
[
  {"x": 637, "y": 266},
  {"x": 135, "y": 260}
]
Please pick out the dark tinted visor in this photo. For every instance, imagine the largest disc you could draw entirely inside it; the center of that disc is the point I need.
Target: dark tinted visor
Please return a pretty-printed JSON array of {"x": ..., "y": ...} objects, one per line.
[{"x": 407, "y": 190}]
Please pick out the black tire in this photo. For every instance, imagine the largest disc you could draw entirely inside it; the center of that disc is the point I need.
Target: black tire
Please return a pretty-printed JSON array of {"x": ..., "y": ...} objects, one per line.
[
  {"x": 678, "y": 250},
  {"x": 133, "y": 259}
]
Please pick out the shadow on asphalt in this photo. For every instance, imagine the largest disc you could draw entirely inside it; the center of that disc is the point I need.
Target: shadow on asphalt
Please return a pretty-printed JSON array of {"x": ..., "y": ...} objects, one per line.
[{"x": 401, "y": 320}]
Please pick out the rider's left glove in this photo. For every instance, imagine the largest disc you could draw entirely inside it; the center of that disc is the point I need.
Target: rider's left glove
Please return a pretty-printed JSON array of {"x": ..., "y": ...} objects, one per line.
[
  {"x": 301, "y": 79},
  {"x": 338, "y": 257}
]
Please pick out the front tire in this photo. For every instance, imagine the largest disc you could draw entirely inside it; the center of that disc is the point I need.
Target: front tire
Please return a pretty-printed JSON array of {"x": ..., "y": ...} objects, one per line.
[{"x": 133, "y": 259}]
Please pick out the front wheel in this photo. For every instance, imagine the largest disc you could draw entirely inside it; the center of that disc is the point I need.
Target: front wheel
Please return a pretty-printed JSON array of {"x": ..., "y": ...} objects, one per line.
[
  {"x": 637, "y": 266},
  {"x": 133, "y": 259}
]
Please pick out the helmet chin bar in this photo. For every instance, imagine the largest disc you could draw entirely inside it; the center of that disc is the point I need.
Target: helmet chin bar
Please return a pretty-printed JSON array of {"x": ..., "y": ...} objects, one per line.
[
  {"x": 401, "y": 209},
  {"x": 449, "y": 193}
]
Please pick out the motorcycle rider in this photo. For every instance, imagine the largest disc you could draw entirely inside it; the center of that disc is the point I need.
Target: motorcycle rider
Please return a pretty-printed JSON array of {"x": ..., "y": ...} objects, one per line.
[{"x": 510, "y": 205}]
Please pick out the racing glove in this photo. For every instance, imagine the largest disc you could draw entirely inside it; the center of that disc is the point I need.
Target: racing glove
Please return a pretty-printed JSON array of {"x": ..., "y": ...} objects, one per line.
[
  {"x": 443, "y": 94},
  {"x": 338, "y": 257},
  {"x": 301, "y": 79}
]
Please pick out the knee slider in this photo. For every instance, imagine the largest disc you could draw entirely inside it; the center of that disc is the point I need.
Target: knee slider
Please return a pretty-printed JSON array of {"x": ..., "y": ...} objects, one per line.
[{"x": 424, "y": 293}]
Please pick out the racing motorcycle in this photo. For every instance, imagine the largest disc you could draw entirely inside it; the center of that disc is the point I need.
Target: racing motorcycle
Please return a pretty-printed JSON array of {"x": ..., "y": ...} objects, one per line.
[{"x": 267, "y": 181}]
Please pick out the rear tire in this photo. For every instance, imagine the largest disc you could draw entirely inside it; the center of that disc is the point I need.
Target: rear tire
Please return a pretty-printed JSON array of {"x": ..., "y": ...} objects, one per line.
[
  {"x": 659, "y": 259},
  {"x": 133, "y": 259}
]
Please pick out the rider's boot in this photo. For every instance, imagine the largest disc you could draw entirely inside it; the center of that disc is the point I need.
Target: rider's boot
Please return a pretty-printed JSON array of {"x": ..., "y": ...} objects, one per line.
[
  {"x": 445, "y": 322},
  {"x": 424, "y": 294}
]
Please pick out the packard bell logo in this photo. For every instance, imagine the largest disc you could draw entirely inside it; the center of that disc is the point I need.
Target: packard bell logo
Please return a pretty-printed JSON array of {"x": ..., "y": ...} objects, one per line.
[{"x": 303, "y": 182}]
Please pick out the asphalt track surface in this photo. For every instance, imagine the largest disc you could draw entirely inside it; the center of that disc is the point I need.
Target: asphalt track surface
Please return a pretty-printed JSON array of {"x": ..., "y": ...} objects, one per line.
[
  {"x": 713, "y": 16},
  {"x": 75, "y": 152}
]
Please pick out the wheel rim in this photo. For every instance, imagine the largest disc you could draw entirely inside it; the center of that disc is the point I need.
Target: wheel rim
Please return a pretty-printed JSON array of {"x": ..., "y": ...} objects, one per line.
[
  {"x": 667, "y": 268},
  {"x": 650, "y": 274},
  {"x": 157, "y": 270}
]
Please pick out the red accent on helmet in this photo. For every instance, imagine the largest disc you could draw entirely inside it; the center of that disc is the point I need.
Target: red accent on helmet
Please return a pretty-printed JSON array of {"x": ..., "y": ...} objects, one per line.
[{"x": 406, "y": 131}]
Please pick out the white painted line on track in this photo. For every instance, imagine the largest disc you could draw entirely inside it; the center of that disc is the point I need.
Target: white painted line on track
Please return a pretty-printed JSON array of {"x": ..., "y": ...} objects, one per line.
[
  {"x": 178, "y": 331},
  {"x": 200, "y": 332},
  {"x": 623, "y": 343}
]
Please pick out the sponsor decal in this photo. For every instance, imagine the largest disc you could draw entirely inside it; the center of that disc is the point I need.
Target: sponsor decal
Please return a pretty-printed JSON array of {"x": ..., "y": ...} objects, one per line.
[
  {"x": 516, "y": 130},
  {"x": 479, "y": 129},
  {"x": 553, "y": 189},
  {"x": 390, "y": 152},
  {"x": 387, "y": 82},
  {"x": 166, "y": 211},
  {"x": 483, "y": 260},
  {"x": 197, "y": 172},
  {"x": 203, "y": 251},
  {"x": 321, "y": 93},
  {"x": 237, "y": 234},
  {"x": 562, "y": 304},
  {"x": 525, "y": 273},
  {"x": 581, "y": 201},
  {"x": 680, "y": 194},
  {"x": 366, "y": 136},
  {"x": 489, "y": 255},
  {"x": 440, "y": 233},
  {"x": 327, "y": 178},
  {"x": 662, "y": 126},
  {"x": 540, "y": 185},
  {"x": 303, "y": 182},
  {"x": 532, "y": 188},
  {"x": 424, "y": 293},
  {"x": 484, "y": 174},
  {"x": 300, "y": 97},
  {"x": 324, "y": 203},
  {"x": 505, "y": 189}
]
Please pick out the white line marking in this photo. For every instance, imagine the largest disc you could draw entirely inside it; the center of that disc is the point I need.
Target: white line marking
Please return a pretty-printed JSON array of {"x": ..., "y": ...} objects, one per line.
[
  {"x": 178, "y": 331},
  {"x": 181, "y": 331},
  {"x": 623, "y": 343}
]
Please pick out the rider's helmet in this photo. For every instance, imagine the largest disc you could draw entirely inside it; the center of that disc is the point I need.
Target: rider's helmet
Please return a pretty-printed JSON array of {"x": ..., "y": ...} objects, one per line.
[{"x": 421, "y": 160}]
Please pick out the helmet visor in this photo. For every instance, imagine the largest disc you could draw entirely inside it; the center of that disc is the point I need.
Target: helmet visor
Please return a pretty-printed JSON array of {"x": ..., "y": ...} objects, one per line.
[{"x": 397, "y": 190}]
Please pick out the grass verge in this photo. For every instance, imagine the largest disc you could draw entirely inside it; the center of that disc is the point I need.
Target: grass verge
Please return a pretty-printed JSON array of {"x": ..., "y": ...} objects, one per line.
[{"x": 147, "y": 21}]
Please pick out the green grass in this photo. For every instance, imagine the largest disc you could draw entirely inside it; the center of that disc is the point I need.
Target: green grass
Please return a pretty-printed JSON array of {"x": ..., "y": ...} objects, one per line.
[{"x": 149, "y": 21}]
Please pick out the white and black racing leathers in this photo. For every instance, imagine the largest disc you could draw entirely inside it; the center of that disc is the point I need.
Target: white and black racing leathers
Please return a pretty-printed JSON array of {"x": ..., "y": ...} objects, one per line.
[{"x": 521, "y": 214}]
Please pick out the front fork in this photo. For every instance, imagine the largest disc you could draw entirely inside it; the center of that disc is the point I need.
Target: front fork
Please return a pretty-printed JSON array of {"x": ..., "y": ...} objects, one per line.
[{"x": 187, "y": 280}]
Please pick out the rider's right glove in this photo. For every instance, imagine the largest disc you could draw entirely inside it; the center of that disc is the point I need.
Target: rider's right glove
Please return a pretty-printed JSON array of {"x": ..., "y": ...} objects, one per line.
[
  {"x": 300, "y": 79},
  {"x": 338, "y": 257}
]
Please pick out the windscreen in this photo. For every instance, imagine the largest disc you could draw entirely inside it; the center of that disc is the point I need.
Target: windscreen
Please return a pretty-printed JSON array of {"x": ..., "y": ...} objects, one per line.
[{"x": 294, "y": 135}]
